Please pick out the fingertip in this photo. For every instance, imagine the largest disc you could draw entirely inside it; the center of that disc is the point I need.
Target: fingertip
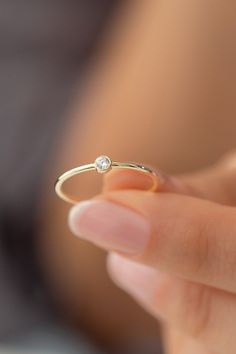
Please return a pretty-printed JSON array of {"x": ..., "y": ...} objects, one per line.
[
  {"x": 137, "y": 279},
  {"x": 121, "y": 179},
  {"x": 126, "y": 179}
]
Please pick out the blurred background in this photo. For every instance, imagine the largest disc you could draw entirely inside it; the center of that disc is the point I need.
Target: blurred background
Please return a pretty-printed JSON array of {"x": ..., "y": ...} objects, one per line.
[{"x": 150, "y": 82}]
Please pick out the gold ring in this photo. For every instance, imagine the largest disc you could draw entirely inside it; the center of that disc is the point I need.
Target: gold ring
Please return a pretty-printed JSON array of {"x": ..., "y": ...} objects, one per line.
[{"x": 102, "y": 164}]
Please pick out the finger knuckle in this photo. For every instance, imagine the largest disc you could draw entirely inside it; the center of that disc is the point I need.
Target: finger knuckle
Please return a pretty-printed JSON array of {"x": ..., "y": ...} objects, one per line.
[
  {"x": 196, "y": 248},
  {"x": 197, "y": 309}
]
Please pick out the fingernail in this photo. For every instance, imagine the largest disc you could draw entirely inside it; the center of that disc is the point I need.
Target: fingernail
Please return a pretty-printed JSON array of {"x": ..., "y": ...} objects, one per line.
[
  {"x": 110, "y": 225},
  {"x": 137, "y": 279}
]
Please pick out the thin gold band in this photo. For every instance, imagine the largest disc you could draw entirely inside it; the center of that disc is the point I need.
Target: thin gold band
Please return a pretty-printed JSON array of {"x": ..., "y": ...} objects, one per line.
[{"x": 94, "y": 166}]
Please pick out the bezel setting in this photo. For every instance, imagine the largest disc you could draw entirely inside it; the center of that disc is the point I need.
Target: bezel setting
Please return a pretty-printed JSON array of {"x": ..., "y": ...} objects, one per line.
[{"x": 103, "y": 164}]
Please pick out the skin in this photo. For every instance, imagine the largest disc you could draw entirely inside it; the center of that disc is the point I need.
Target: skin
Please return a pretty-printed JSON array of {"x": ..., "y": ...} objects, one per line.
[
  {"x": 185, "y": 273},
  {"x": 154, "y": 94}
]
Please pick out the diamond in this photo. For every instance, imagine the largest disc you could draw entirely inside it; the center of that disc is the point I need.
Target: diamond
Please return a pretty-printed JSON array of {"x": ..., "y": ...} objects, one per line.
[{"x": 103, "y": 163}]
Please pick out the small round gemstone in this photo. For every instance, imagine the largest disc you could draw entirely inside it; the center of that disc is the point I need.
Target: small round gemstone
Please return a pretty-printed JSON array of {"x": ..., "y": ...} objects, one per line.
[{"x": 103, "y": 163}]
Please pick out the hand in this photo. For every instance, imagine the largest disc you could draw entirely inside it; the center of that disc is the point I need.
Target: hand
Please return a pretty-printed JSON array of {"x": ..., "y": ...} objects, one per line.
[{"x": 174, "y": 251}]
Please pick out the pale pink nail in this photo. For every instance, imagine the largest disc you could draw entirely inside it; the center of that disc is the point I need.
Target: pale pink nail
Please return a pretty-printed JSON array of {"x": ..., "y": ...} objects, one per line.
[
  {"x": 110, "y": 225},
  {"x": 137, "y": 279}
]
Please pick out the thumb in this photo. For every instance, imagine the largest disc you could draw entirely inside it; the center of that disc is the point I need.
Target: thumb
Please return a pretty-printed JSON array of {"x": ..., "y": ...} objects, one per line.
[{"x": 215, "y": 183}]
